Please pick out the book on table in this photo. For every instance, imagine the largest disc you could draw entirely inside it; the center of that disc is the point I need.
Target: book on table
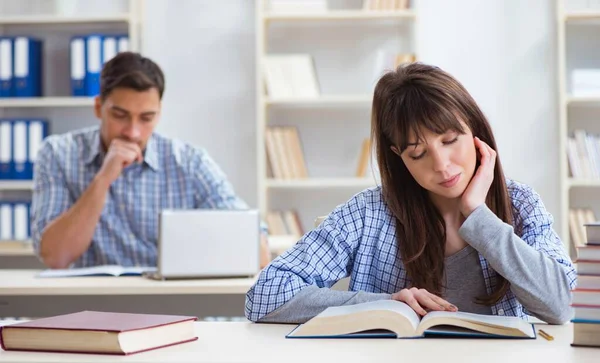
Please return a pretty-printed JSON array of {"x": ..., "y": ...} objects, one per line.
[
  {"x": 103, "y": 270},
  {"x": 395, "y": 319},
  {"x": 99, "y": 332}
]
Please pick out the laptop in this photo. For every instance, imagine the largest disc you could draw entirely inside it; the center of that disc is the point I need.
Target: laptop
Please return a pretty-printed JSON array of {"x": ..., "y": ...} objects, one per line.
[{"x": 207, "y": 243}]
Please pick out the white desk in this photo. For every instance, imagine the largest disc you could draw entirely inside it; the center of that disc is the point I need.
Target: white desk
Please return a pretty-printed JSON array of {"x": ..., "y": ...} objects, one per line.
[
  {"x": 23, "y": 294},
  {"x": 246, "y": 342}
]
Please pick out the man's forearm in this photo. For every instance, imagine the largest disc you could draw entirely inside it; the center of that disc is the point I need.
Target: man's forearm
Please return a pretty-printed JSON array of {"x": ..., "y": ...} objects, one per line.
[{"x": 69, "y": 236}]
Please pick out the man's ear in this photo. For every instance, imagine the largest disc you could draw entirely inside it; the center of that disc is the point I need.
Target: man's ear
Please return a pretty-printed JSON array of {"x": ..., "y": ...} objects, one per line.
[
  {"x": 395, "y": 150},
  {"x": 98, "y": 107}
]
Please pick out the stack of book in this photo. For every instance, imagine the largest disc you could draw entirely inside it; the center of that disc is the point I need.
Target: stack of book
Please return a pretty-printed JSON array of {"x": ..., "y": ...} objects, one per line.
[
  {"x": 284, "y": 223},
  {"x": 583, "y": 153},
  {"x": 586, "y": 297},
  {"x": 290, "y": 76},
  {"x": 284, "y": 153},
  {"x": 385, "y": 5}
]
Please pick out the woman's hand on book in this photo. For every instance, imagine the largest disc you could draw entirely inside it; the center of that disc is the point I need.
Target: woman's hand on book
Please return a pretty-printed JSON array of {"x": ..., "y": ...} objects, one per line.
[{"x": 421, "y": 300}]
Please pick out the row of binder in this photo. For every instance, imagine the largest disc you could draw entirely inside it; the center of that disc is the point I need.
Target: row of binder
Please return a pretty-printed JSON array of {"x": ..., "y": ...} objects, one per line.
[
  {"x": 15, "y": 223},
  {"x": 20, "y": 67},
  {"x": 88, "y": 56},
  {"x": 20, "y": 141}
]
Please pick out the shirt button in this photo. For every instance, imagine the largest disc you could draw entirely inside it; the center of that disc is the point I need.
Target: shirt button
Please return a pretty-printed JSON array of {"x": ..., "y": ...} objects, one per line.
[
  {"x": 500, "y": 311},
  {"x": 132, "y": 236},
  {"x": 122, "y": 206}
]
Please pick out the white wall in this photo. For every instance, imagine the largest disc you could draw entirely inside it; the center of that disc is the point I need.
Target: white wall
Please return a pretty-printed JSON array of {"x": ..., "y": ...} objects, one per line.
[{"x": 504, "y": 52}]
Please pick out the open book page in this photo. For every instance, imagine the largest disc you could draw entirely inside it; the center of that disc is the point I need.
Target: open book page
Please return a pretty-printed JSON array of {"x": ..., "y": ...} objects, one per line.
[
  {"x": 105, "y": 270},
  {"x": 490, "y": 324},
  {"x": 380, "y": 305}
]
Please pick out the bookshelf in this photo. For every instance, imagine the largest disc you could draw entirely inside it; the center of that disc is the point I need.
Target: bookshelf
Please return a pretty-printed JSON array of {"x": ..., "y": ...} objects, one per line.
[
  {"x": 343, "y": 102},
  {"x": 16, "y": 185},
  {"x": 46, "y": 102},
  {"x": 576, "y": 112},
  {"x": 55, "y": 22},
  {"x": 342, "y": 15}
]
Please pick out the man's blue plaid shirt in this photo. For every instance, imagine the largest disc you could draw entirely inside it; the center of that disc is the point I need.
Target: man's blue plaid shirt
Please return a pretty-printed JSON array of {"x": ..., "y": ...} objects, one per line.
[{"x": 174, "y": 175}]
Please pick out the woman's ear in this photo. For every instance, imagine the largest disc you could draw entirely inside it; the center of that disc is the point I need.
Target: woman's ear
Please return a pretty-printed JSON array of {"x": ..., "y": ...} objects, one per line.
[{"x": 395, "y": 150}]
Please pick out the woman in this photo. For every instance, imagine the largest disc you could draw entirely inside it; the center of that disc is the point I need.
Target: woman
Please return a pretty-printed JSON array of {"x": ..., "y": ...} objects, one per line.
[{"x": 444, "y": 231}]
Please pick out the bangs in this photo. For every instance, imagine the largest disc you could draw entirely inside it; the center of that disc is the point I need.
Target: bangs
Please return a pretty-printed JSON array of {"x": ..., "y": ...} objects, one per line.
[{"x": 417, "y": 110}]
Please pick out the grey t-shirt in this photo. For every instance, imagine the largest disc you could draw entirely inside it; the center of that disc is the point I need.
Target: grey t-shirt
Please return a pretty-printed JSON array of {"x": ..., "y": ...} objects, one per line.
[{"x": 464, "y": 281}]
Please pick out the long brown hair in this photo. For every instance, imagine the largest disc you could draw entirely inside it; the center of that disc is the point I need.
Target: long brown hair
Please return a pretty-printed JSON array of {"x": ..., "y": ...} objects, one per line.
[{"x": 412, "y": 97}]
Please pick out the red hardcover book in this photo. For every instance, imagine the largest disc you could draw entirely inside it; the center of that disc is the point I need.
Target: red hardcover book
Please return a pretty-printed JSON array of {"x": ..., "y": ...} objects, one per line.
[{"x": 99, "y": 333}]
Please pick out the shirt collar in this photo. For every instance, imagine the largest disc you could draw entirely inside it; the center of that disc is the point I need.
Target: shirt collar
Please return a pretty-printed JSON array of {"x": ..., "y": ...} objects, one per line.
[
  {"x": 151, "y": 154},
  {"x": 96, "y": 150}
]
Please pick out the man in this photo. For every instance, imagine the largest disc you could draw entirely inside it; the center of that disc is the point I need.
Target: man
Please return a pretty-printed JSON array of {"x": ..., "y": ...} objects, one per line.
[{"x": 98, "y": 191}]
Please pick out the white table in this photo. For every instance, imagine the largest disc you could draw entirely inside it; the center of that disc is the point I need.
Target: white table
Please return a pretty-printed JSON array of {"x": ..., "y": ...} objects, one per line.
[
  {"x": 247, "y": 342},
  {"x": 24, "y": 294}
]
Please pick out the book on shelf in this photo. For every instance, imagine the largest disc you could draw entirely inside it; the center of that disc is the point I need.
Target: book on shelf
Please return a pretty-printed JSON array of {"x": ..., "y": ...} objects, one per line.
[
  {"x": 99, "y": 332},
  {"x": 395, "y": 319},
  {"x": 386, "y": 5},
  {"x": 290, "y": 76},
  {"x": 104, "y": 270},
  {"x": 583, "y": 154},
  {"x": 284, "y": 223},
  {"x": 285, "y": 158},
  {"x": 363, "y": 159},
  {"x": 579, "y": 220}
]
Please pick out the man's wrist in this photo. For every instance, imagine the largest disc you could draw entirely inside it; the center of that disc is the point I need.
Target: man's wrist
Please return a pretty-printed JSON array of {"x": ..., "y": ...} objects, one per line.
[{"x": 101, "y": 181}]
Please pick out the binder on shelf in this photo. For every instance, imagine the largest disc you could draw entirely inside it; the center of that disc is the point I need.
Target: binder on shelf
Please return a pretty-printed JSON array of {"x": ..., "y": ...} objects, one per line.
[
  {"x": 37, "y": 132},
  {"x": 27, "y": 139},
  {"x": 93, "y": 64},
  {"x": 27, "y": 67},
  {"x": 6, "y": 67},
  {"x": 20, "y": 141},
  {"x": 78, "y": 64},
  {"x": 15, "y": 224},
  {"x": 20, "y": 221},
  {"x": 123, "y": 44},
  {"x": 109, "y": 48},
  {"x": 6, "y": 150},
  {"x": 6, "y": 221}
]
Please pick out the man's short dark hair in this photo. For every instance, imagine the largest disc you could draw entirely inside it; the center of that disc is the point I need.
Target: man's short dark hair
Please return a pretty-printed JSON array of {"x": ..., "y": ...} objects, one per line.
[{"x": 131, "y": 70}]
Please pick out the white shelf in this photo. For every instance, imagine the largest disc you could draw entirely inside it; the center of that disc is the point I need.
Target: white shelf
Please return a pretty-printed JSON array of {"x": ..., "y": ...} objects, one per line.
[
  {"x": 46, "y": 102},
  {"x": 16, "y": 185},
  {"x": 318, "y": 183},
  {"x": 341, "y": 15},
  {"x": 278, "y": 244},
  {"x": 583, "y": 183},
  {"x": 583, "y": 100},
  {"x": 55, "y": 19},
  {"x": 322, "y": 101},
  {"x": 582, "y": 15}
]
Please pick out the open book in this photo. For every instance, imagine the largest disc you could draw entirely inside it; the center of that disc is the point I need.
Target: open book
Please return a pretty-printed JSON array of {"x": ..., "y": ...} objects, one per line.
[
  {"x": 105, "y": 270},
  {"x": 390, "y": 318}
]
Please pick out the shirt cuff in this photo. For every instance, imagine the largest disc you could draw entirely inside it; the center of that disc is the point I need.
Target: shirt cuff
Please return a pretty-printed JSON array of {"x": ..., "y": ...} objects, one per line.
[{"x": 480, "y": 228}]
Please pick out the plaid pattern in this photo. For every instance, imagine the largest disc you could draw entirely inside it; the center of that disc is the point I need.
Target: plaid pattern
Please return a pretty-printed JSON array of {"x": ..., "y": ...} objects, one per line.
[
  {"x": 358, "y": 239},
  {"x": 174, "y": 175}
]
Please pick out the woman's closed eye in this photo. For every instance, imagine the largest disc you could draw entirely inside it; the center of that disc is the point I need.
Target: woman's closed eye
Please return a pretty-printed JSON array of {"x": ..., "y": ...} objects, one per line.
[
  {"x": 421, "y": 155},
  {"x": 451, "y": 141}
]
